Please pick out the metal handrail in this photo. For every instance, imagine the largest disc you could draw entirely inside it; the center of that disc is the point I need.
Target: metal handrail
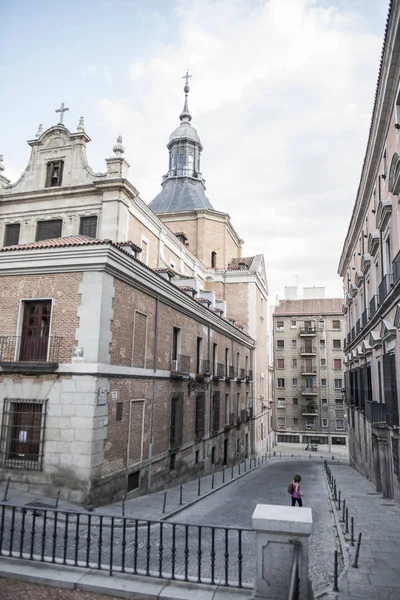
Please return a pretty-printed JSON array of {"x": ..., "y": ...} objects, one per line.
[{"x": 294, "y": 583}]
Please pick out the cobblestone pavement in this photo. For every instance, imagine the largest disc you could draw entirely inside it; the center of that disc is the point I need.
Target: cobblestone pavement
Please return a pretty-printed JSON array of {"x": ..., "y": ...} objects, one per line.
[
  {"x": 234, "y": 506},
  {"x": 20, "y": 590},
  {"x": 378, "y": 519}
]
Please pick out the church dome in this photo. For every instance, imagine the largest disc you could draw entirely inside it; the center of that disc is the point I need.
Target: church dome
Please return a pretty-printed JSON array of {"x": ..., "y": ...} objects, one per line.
[{"x": 185, "y": 131}]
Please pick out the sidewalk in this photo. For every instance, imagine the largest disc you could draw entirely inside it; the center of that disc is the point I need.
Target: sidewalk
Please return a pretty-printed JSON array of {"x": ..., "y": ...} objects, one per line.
[
  {"x": 151, "y": 506},
  {"x": 378, "y": 519}
]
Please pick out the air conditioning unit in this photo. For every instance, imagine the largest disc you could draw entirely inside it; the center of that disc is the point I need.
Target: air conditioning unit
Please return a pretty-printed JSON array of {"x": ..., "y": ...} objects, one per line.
[{"x": 174, "y": 365}]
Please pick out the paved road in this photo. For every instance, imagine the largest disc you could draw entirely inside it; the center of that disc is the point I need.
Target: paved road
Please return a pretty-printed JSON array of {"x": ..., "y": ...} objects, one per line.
[
  {"x": 19, "y": 590},
  {"x": 234, "y": 506}
]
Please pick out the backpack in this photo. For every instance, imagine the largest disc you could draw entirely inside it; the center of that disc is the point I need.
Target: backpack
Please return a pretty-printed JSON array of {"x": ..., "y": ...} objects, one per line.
[{"x": 290, "y": 488}]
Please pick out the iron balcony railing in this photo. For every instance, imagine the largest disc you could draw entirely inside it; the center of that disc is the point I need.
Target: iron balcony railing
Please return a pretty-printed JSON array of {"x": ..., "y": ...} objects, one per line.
[
  {"x": 241, "y": 374},
  {"x": 365, "y": 317},
  {"x": 250, "y": 412},
  {"x": 358, "y": 326},
  {"x": 306, "y": 369},
  {"x": 308, "y": 349},
  {"x": 385, "y": 287},
  {"x": 249, "y": 375},
  {"x": 392, "y": 412},
  {"x": 117, "y": 544},
  {"x": 373, "y": 305},
  {"x": 396, "y": 268},
  {"x": 204, "y": 366},
  {"x": 309, "y": 389},
  {"x": 23, "y": 349},
  {"x": 232, "y": 419},
  {"x": 375, "y": 412},
  {"x": 353, "y": 332},
  {"x": 219, "y": 371},
  {"x": 180, "y": 364},
  {"x": 308, "y": 330},
  {"x": 230, "y": 372}
]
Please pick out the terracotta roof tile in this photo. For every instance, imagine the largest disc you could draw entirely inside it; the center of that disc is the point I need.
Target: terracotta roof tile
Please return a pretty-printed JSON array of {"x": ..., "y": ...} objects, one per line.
[
  {"x": 73, "y": 240},
  {"x": 311, "y": 306},
  {"x": 240, "y": 264}
]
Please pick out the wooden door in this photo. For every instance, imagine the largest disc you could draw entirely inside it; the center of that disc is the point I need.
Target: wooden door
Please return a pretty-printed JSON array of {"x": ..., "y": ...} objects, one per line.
[{"x": 35, "y": 330}]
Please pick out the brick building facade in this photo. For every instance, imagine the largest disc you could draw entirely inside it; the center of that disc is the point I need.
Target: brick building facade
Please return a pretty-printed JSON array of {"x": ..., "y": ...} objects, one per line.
[{"x": 124, "y": 366}]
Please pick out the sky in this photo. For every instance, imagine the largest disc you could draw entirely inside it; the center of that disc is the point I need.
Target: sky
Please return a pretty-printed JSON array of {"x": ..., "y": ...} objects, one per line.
[{"x": 281, "y": 95}]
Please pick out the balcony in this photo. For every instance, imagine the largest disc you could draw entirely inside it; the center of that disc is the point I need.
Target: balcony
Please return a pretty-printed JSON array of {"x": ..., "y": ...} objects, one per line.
[
  {"x": 203, "y": 367},
  {"x": 180, "y": 366},
  {"x": 375, "y": 412},
  {"x": 373, "y": 305},
  {"x": 307, "y": 390},
  {"x": 396, "y": 268},
  {"x": 280, "y": 404},
  {"x": 339, "y": 407},
  {"x": 20, "y": 353},
  {"x": 240, "y": 375},
  {"x": 249, "y": 376},
  {"x": 308, "y": 369},
  {"x": 308, "y": 349},
  {"x": 358, "y": 327},
  {"x": 249, "y": 413},
  {"x": 231, "y": 419},
  {"x": 219, "y": 372},
  {"x": 312, "y": 330},
  {"x": 230, "y": 373},
  {"x": 365, "y": 317},
  {"x": 385, "y": 287}
]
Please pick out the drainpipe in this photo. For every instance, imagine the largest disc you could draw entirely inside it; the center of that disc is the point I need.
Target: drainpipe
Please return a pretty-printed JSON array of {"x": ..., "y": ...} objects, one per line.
[
  {"x": 380, "y": 232},
  {"x": 153, "y": 397}
]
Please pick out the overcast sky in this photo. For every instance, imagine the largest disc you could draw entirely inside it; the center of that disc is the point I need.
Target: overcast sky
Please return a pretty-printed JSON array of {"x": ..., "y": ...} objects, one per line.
[{"x": 281, "y": 96}]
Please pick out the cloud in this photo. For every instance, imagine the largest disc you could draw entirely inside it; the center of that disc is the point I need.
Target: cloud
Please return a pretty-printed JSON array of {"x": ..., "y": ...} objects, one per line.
[{"x": 281, "y": 96}]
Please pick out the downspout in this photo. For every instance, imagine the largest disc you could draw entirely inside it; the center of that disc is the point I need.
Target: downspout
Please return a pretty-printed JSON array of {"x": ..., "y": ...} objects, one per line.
[
  {"x": 153, "y": 398},
  {"x": 380, "y": 232}
]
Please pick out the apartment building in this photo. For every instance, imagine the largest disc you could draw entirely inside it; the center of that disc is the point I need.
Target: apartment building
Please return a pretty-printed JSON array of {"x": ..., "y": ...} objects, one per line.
[
  {"x": 308, "y": 371},
  {"x": 370, "y": 268},
  {"x": 125, "y": 366}
]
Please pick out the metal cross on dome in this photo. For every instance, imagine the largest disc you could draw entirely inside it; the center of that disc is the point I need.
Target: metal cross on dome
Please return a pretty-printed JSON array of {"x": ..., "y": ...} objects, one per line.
[
  {"x": 62, "y": 110},
  {"x": 187, "y": 77}
]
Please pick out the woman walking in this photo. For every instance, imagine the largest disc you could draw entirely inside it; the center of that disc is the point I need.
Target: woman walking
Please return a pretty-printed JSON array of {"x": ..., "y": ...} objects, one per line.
[{"x": 296, "y": 496}]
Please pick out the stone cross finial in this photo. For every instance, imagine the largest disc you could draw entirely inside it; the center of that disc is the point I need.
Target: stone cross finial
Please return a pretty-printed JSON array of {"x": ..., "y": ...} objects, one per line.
[
  {"x": 81, "y": 126},
  {"x": 61, "y": 110},
  {"x": 39, "y": 131},
  {"x": 187, "y": 76},
  {"x": 118, "y": 148}
]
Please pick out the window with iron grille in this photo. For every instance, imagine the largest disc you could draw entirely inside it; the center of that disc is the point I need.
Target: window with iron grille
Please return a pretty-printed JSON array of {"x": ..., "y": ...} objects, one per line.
[
  {"x": 54, "y": 173},
  {"x": 22, "y": 433},
  {"x": 175, "y": 436},
  {"x": 88, "y": 226},
  {"x": 200, "y": 413},
  {"x": 119, "y": 411},
  {"x": 48, "y": 230},
  {"x": 11, "y": 234},
  {"x": 395, "y": 454},
  {"x": 216, "y": 412}
]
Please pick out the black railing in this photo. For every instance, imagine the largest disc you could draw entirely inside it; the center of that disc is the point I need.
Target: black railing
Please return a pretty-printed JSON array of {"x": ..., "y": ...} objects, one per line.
[
  {"x": 345, "y": 342},
  {"x": 177, "y": 551},
  {"x": 204, "y": 366},
  {"x": 232, "y": 419},
  {"x": 365, "y": 317},
  {"x": 243, "y": 416},
  {"x": 294, "y": 583},
  {"x": 241, "y": 374},
  {"x": 385, "y": 287},
  {"x": 392, "y": 412},
  {"x": 373, "y": 305},
  {"x": 375, "y": 412},
  {"x": 308, "y": 330},
  {"x": 396, "y": 268},
  {"x": 358, "y": 326},
  {"x": 230, "y": 372},
  {"x": 308, "y": 349},
  {"x": 23, "y": 349},
  {"x": 250, "y": 412},
  {"x": 219, "y": 371},
  {"x": 249, "y": 375},
  {"x": 180, "y": 364},
  {"x": 308, "y": 368},
  {"x": 353, "y": 332}
]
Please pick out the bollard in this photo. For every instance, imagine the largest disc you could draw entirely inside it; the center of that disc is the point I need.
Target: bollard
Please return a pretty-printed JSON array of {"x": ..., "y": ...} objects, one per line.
[
  {"x": 347, "y": 520},
  {"x": 232, "y": 472},
  {"x": 352, "y": 532},
  {"x": 239, "y": 469},
  {"x": 259, "y": 461},
  {"x": 335, "y": 498},
  {"x": 339, "y": 500},
  {"x": 123, "y": 505},
  {"x": 6, "y": 490},
  {"x": 335, "y": 572},
  {"x": 245, "y": 465},
  {"x": 274, "y": 453},
  {"x": 223, "y": 475},
  {"x": 164, "y": 503},
  {"x": 262, "y": 459},
  {"x": 309, "y": 456},
  {"x": 212, "y": 482},
  {"x": 199, "y": 487},
  {"x": 343, "y": 519},
  {"x": 355, "y": 563},
  {"x": 181, "y": 495},
  {"x": 280, "y": 454},
  {"x": 58, "y": 497},
  {"x": 270, "y": 455}
]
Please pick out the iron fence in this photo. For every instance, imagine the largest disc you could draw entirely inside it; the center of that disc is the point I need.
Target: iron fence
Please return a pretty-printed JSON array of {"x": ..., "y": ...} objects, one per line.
[
  {"x": 385, "y": 287},
  {"x": 375, "y": 412},
  {"x": 17, "y": 349},
  {"x": 373, "y": 305},
  {"x": 180, "y": 364},
  {"x": 168, "y": 550}
]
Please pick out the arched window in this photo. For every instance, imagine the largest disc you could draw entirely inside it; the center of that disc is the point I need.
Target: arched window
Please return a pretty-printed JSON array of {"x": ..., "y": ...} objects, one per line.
[{"x": 213, "y": 260}]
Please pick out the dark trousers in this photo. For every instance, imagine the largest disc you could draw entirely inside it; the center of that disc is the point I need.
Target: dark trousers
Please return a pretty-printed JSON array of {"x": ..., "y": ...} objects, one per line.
[{"x": 298, "y": 500}]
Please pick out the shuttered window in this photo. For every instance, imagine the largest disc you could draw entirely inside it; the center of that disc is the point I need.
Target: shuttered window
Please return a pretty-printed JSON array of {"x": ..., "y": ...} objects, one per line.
[
  {"x": 11, "y": 234},
  {"x": 48, "y": 230},
  {"x": 88, "y": 227}
]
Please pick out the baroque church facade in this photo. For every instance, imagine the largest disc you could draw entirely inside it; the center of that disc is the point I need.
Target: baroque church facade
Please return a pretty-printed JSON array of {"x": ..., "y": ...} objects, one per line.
[{"x": 133, "y": 337}]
